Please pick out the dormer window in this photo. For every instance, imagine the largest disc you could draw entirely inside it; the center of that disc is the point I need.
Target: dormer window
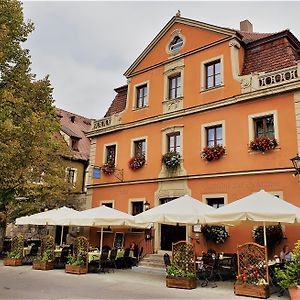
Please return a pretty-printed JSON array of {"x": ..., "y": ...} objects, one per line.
[
  {"x": 176, "y": 44},
  {"x": 74, "y": 143}
]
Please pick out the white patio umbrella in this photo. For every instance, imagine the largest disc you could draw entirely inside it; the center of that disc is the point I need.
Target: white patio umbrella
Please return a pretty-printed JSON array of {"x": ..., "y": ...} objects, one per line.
[
  {"x": 49, "y": 217},
  {"x": 260, "y": 207},
  {"x": 184, "y": 210},
  {"x": 102, "y": 216}
]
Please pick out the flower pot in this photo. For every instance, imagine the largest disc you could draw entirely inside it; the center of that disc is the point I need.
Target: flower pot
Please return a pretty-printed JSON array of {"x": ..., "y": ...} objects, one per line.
[
  {"x": 14, "y": 262},
  {"x": 252, "y": 290},
  {"x": 294, "y": 292},
  {"x": 181, "y": 282},
  {"x": 73, "y": 269},
  {"x": 40, "y": 265}
]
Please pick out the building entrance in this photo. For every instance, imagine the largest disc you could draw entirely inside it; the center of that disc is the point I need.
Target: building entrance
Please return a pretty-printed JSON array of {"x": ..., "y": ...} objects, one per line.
[{"x": 170, "y": 233}]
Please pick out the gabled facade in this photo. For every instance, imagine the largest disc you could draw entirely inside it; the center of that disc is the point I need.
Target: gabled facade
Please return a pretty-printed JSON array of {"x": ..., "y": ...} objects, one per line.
[{"x": 198, "y": 86}]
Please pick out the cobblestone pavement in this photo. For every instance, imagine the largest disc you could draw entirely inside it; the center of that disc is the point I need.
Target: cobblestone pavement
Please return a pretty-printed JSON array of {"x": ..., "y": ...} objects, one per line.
[{"x": 25, "y": 283}]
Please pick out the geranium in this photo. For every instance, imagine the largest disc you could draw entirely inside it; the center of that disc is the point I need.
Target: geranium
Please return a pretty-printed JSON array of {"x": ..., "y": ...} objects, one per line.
[
  {"x": 217, "y": 234},
  {"x": 263, "y": 144},
  {"x": 213, "y": 152},
  {"x": 171, "y": 160},
  {"x": 108, "y": 168},
  {"x": 136, "y": 162}
]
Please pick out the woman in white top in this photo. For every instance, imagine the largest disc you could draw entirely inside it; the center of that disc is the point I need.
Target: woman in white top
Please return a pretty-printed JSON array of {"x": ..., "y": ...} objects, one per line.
[{"x": 286, "y": 254}]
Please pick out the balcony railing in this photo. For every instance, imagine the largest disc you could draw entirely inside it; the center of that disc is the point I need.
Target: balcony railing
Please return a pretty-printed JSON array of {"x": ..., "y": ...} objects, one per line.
[{"x": 106, "y": 122}]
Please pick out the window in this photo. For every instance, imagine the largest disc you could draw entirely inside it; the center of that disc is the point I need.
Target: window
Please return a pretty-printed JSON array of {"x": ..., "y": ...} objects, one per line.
[
  {"x": 213, "y": 74},
  {"x": 108, "y": 204},
  {"x": 214, "y": 136},
  {"x": 111, "y": 154},
  {"x": 74, "y": 143},
  {"x": 137, "y": 207},
  {"x": 215, "y": 202},
  {"x": 174, "y": 142},
  {"x": 71, "y": 175},
  {"x": 176, "y": 44},
  {"x": 175, "y": 86},
  {"x": 141, "y": 96},
  {"x": 264, "y": 126},
  {"x": 140, "y": 148}
]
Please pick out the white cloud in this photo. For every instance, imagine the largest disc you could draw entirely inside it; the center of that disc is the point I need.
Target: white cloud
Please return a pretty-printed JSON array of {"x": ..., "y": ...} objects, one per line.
[{"x": 87, "y": 46}]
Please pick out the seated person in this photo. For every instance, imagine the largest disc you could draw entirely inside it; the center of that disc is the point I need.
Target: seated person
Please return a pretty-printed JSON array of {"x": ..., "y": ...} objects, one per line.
[{"x": 286, "y": 254}]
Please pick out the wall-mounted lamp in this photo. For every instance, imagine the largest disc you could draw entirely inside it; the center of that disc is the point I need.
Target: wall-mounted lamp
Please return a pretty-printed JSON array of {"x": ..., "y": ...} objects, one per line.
[
  {"x": 146, "y": 205},
  {"x": 296, "y": 163}
]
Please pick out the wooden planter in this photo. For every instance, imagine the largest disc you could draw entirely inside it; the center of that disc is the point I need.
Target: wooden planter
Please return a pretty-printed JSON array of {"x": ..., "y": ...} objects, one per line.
[
  {"x": 252, "y": 290},
  {"x": 40, "y": 265},
  {"x": 14, "y": 262},
  {"x": 76, "y": 269},
  {"x": 294, "y": 293},
  {"x": 181, "y": 282}
]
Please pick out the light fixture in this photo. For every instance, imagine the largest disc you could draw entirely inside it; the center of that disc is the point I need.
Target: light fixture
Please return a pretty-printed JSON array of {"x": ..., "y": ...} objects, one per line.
[
  {"x": 296, "y": 163},
  {"x": 146, "y": 205}
]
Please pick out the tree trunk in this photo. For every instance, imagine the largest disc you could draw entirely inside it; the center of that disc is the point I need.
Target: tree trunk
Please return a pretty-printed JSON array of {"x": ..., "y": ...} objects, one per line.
[{"x": 2, "y": 234}]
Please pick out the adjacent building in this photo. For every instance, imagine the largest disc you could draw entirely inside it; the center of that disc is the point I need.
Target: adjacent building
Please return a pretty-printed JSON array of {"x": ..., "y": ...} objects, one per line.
[{"x": 220, "y": 105}]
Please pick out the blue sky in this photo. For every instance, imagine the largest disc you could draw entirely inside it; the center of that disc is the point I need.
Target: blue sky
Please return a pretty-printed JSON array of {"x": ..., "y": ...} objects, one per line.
[{"x": 86, "y": 47}]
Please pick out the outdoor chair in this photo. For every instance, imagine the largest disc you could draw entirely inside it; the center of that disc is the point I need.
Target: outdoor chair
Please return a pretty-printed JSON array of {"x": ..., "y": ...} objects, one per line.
[
  {"x": 167, "y": 260},
  {"x": 208, "y": 270},
  {"x": 227, "y": 267},
  {"x": 103, "y": 262},
  {"x": 60, "y": 262},
  {"x": 141, "y": 254},
  {"x": 29, "y": 258},
  {"x": 112, "y": 258}
]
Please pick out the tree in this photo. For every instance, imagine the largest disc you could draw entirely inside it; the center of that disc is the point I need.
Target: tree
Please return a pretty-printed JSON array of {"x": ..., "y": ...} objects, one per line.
[{"x": 32, "y": 172}]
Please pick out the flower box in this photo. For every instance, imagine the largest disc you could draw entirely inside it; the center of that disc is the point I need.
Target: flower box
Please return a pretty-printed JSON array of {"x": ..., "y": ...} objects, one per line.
[
  {"x": 40, "y": 265},
  {"x": 252, "y": 290},
  {"x": 294, "y": 292},
  {"x": 13, "y": 262},
  {"x": 181, "y": 282},
  {"x": 213, "y": 152},
  {"x": 263, "y": 144},
  {"x": 73, "y": 269},
  {"x": 136, "y": 162}
]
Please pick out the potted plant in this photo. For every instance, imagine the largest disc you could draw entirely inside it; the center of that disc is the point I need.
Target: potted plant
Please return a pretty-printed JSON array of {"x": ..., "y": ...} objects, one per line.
[
  {"x": 216, "y": 234},
  {"x": 15, "y": 256},
  {"x": 179, "y": 278},
  {"x": 78, "y": 264},
  {"x": 171, "y": 160},
  {"x": 263, "y": 144},
  {"x": 252, "y": 278},
  {"x": 213, "y": 152},
  {"x": 108, "y": 168},
  {"x": 136, "y": 162},
  {"x": 289, "y": 276},
  {"x": 46, "y": 260}
]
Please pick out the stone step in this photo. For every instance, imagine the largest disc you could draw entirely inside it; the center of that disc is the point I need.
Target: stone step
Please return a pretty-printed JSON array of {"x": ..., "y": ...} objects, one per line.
[{"x": 152, "y": 264}]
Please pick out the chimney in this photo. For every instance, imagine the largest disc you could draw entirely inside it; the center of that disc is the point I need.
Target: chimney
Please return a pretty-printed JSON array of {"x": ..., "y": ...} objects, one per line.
[{"x": 246, "y": 26}]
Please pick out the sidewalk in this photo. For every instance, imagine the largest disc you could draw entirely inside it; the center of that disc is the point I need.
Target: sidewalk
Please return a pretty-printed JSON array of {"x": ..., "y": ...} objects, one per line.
[{"x": 25, "y": 283}]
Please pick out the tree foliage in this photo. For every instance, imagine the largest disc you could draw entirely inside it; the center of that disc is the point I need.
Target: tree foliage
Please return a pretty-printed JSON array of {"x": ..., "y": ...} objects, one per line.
[{"x": 31, "y": 164}]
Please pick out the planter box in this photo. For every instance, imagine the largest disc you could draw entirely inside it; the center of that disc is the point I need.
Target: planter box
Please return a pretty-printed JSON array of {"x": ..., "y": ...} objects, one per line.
[
  {"x": 257, "y": 291},
  {"x": 14, "y": 262},
  {"x": 181, "y": 283},
  {"x": 294, "y": 293},
  {"x": 39, "y": 265},
  {"x": 75, "y": 269}
]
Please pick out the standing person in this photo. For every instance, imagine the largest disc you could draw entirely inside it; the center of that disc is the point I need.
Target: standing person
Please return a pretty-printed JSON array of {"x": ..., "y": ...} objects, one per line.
[{"x": 286, "y": 254}]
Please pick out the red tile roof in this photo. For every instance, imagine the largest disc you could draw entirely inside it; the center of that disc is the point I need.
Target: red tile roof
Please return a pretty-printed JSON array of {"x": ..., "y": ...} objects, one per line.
[
  {"x": 119, "y": 103},
  {"x": 270, "y": 52},
  {"x": 77, "y": 130},
  {"x": 248, "y": 37}
]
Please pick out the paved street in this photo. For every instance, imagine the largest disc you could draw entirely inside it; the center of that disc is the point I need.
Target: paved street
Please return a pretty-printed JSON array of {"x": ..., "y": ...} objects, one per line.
[{"x": 25, "y": 283}]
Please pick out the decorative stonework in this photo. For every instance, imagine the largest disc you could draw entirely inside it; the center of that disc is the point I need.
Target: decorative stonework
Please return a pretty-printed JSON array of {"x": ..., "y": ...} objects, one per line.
[
  {"x": 172, "y": 105},
  {"x": 106, "y": 122}
]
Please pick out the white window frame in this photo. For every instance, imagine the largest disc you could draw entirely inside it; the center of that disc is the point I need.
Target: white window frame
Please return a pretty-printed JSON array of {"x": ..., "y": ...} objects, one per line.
[
  {"x": 103, "y": 202},
  {"x": 105, "y": 152},
  {"x": 75, "y": 175},
  {"x": 168, "y": 130},
  {"x": 138, "y": 139},
  {"x": 135, "y": 88},
  {"x": 132, "y": 200},
  {"x": 211, "y": 124},
  {"x": 203, "y": 73},
  {"x": 259, "y": 115}
]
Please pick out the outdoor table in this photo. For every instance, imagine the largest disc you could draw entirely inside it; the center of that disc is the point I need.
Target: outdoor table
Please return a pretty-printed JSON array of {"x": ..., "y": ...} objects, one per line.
[
  {"x": 57, "y": 252},
  {"x": 26, "y": 250},
  {"x": 94, "y": 256}
]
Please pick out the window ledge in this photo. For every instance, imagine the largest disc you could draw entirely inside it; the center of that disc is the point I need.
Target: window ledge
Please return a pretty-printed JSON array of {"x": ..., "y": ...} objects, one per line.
[
  {"x": 173, "y": 99},
  {"x": 203, "y": 90},
  {"x": 253, "y": 152},
  {"x": 140, "y": 108}
]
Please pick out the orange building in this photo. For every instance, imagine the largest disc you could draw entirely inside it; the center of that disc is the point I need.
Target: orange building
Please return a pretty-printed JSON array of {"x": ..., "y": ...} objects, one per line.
[{"x": 198, "y": 88}]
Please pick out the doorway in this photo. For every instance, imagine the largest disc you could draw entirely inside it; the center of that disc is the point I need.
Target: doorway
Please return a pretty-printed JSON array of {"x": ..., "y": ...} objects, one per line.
[
  {"x": 58, "y": 234},
  {"x": 171, "y": 234}
]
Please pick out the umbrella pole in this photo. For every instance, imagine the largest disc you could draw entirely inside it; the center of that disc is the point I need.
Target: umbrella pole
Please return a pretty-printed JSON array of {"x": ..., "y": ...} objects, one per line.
[
  {"x": 265, "y": 235},
  {"x": 61, "y": 235},
  {"x": 101, "y": 238}
]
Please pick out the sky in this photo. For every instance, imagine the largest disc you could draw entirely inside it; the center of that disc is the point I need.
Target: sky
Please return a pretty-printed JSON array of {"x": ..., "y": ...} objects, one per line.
[{"x": 86, "y": 47}]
